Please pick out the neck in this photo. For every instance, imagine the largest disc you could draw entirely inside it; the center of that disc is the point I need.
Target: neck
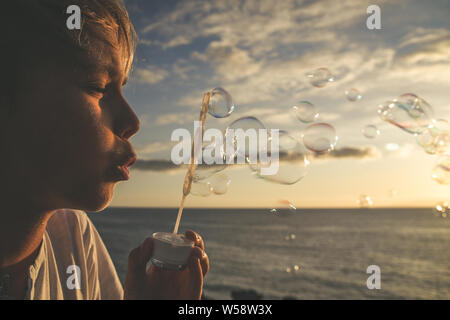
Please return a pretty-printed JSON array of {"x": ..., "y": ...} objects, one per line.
[{"x": 22, "y": 228}]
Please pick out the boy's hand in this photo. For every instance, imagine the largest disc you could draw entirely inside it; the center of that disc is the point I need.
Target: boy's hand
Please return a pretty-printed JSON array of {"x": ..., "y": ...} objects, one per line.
[{"x": 156, "y": 283}]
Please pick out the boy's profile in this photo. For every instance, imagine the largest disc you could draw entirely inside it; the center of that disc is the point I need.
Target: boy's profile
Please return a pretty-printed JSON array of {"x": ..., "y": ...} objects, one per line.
[{"x": 65, "y": 132}]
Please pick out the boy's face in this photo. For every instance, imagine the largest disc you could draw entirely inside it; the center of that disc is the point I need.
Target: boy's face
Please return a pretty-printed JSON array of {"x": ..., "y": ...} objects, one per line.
[{"x": 67, "y": 142}]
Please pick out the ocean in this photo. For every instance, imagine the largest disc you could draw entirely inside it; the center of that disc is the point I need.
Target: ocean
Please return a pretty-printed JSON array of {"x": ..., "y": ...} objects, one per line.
[{"x": 309, "y": 254}]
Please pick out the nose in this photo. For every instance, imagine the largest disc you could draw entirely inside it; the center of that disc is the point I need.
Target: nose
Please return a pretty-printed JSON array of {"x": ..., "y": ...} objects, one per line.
[{"x": 127, "y": 122}]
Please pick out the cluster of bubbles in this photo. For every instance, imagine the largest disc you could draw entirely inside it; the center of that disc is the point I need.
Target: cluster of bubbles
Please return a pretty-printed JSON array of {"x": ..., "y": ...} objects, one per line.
[
  {"x": 442, "y": 209},
  {"x": 414, "y": 115},
  {"x": 285, "y": 209},
  {"x": 216, "y": 184}
]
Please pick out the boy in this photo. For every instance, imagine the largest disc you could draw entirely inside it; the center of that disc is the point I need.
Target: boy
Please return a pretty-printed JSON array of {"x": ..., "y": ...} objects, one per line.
[{"x": 64, "y": 143}]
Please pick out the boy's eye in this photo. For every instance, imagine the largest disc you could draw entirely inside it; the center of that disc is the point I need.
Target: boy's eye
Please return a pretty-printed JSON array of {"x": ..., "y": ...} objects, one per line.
[{"x": 96, "y": 89}]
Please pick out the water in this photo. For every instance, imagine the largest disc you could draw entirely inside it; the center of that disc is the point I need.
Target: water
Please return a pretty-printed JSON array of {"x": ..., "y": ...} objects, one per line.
[{"x": 333, "y": 248}]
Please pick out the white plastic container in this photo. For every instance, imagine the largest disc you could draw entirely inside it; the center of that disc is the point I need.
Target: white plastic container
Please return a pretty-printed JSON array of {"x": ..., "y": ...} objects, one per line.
[{"x": 171, "y": 251}]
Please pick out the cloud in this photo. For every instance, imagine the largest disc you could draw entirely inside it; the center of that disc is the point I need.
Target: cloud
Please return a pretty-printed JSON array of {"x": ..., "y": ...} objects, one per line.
[
  {"x": 151, "y": 74},
  {"x": 154, "y": 147},
  {"x": 362, "y": 153},
  {"x": 369, "y": 152}
]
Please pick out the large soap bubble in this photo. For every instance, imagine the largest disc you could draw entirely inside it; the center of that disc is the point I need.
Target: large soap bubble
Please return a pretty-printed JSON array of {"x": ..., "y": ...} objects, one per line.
[
  {"x": 409, "y": 112},
  {"x": 243, "y": 145},
  {"x": 292, "y": 162}
]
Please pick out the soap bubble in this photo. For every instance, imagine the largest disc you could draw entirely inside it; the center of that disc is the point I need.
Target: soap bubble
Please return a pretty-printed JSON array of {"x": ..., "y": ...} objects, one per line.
[
  {"x": 320, "y": 137},
  {"x": 393, "y": 193},
  {"x": 219, "y": 183},
  {"x": 365, "y": 201},
  {"x": 441, "y": 171},
  {"x": 220, "y": 103},
  {"x": 205, "y": 170},
  {"x": 251, "y": 145},
  {"x": 409, "y": 112},
  {"x": 286, "y": 209},
  {"x": 290, "y": 237},
  {"x": 436, "y": 138},
  {"x": 305, "y": 111},
  {"x": 370, "y": 131},
  {"x": 353, "y": 94},
  {"x": 292, "y": 162},
  {"x": 319, "y": 78},
  {"x": 201, "y": 189}
]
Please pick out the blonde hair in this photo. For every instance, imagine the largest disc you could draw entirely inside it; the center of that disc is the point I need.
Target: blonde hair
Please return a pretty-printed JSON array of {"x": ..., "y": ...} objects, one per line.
[{"x": 36, "y": 30}]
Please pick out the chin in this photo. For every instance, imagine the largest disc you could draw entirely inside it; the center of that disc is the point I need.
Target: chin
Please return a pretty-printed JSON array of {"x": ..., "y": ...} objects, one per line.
[{"x": 99, "y": 199}]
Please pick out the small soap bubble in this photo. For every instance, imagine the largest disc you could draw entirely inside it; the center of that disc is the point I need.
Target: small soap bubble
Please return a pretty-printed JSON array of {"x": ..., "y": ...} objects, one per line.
[
  {"x": 409, "y": 112},
  {"x": 393, "y": 193},
  {"x": 353, "y": 94},
  {"x": 290, "y": 237},
  {"x": 319, "y": 78},
  {"x": 201, "y": 189},
  {"x": 291, "y": 165},
  {"x": 305, "y": 111},
  {"x": 320, "y": 137},
  {"x": 220, "y": 103},
  {"x": 219, "y": 183},
  {"x": 364, "y": 201},
  {"x": 370, "y": 131},
  {"x": 441, "y": 171}
]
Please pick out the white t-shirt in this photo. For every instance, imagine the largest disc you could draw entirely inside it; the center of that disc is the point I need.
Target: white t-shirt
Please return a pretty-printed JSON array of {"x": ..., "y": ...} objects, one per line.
[{"x": 72, "y": 262}]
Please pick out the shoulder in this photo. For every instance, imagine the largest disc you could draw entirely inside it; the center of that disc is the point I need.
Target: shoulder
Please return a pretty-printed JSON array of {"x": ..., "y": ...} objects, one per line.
[
  {"x": 70, "y": 223},
  {"x": 69, "y": 218}
]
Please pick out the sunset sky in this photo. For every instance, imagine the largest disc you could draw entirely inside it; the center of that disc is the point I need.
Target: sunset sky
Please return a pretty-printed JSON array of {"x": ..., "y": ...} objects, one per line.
[{"x": 260, "y": 51}]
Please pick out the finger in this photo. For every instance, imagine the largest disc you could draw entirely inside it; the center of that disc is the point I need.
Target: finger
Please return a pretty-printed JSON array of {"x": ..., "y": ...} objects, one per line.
[
  {"x": 137, "y": 261},
  {"x": 202, "y": 257},
  {"x": 138, "y": 257},
  {"x": 196, "y": 276},
  {"x": 194, "y": 236}
]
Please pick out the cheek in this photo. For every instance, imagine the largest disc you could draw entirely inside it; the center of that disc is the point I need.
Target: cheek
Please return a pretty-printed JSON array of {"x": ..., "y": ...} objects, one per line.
[{"x": 76, "y": 137}]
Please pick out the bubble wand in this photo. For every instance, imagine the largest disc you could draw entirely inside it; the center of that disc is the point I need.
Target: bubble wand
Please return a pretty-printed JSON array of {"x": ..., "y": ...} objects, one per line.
[{"x": 193, "y": 163}]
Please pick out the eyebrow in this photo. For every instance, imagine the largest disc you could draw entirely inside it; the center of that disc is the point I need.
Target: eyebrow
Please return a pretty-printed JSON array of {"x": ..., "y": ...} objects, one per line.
[{"x": 97, "y": 65}]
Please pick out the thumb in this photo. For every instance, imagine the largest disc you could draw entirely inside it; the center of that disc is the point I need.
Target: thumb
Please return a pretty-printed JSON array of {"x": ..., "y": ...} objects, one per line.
[{"x": 137, "y": 262}]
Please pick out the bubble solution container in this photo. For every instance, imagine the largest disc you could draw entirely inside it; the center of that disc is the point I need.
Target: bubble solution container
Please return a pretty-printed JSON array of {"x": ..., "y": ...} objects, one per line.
[{"x": 171, "y": 251}]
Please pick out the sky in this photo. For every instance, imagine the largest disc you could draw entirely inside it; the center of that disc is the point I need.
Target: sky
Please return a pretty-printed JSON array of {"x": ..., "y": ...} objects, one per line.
[{"x": 260, "y": 52}]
